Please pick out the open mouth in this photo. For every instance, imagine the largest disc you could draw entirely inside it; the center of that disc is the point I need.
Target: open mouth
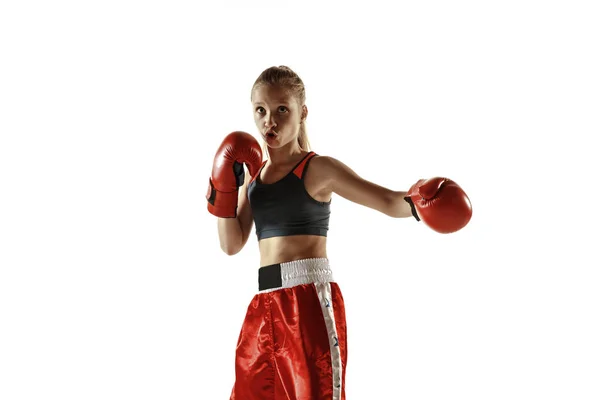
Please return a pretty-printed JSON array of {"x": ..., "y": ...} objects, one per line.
[{"x": 271, "y": 135}]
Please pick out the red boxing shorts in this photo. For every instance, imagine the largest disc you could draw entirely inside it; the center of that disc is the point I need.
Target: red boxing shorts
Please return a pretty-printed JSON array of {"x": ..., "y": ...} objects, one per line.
[{"x": 292, "y": 345}]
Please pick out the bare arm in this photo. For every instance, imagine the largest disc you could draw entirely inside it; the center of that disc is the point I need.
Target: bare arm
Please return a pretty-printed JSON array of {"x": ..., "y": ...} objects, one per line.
[
  {"x": 234, "y": 232},
  {"x": 344, "y": 181}
]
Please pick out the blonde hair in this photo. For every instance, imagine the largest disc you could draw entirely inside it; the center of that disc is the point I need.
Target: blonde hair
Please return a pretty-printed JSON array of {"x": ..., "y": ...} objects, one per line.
[{"x": 284, "y": 76}]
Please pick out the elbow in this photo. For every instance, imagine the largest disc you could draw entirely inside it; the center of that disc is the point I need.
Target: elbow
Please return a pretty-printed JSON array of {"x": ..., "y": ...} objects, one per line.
[
  {"x": 231, "y": 236},
  {"x": 230, "y": 249}
]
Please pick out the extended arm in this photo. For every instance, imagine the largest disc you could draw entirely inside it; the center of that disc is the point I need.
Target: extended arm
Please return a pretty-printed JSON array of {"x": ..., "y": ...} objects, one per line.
[{"x": 439, "y": 202}]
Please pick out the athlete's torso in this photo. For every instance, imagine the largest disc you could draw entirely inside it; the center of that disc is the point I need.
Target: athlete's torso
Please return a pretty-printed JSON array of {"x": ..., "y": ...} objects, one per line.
[{"x": 278, "y": 249}]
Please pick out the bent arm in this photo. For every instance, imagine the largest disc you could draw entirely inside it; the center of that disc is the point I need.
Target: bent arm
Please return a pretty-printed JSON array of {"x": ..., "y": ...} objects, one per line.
[
  {"x": 234, "y": 232},
  {"x": 348, "y": 184}
]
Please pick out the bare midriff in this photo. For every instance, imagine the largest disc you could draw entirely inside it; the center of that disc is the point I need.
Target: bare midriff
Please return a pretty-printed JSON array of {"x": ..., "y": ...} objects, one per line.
[{"x": 281, "y": 249}]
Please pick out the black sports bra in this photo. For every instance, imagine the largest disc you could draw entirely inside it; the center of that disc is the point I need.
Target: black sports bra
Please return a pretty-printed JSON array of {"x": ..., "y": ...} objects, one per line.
[{"x": 285, "y": 208}]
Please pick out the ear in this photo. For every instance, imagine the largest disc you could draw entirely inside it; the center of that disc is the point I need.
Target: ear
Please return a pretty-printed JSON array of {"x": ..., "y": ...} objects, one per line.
[{"x": 304, "y": 112}]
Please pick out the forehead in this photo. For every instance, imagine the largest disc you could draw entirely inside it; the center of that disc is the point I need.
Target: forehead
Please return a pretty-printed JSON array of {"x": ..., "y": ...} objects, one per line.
[{"x": 271, "y": 94}]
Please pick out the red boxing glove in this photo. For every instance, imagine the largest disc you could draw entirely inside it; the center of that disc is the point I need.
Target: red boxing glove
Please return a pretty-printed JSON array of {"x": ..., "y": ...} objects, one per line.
[
  {"x": 237, "y": 149},
  {"x": 440, "y": 203}
]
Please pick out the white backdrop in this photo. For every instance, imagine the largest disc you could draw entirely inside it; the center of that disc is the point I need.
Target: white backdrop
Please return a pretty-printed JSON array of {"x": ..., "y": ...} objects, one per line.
[{"x": 112, "y": 283}]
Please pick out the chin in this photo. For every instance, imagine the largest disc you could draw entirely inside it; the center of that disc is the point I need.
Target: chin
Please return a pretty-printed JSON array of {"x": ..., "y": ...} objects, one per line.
[{"x": 273, "y": 143}]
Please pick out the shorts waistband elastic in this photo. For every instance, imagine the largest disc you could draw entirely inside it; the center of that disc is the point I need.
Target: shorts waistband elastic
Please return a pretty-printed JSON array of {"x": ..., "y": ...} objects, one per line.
[{"x": 293, "y": 273}]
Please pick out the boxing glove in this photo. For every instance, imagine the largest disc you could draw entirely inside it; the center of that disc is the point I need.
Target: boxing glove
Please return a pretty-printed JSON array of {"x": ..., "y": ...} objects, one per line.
[
  {"x": 440, "y": 203},
  {"x": 238, "y": 148}
]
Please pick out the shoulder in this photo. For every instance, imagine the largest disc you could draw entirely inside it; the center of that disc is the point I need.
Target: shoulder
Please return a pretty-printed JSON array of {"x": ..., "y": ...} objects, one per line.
[
  {"x": 328, "y": 165},
  {"x": 329, "y": 170},
  {"x": 322, "y": 165},
  {"x": 323, "y": 161}
]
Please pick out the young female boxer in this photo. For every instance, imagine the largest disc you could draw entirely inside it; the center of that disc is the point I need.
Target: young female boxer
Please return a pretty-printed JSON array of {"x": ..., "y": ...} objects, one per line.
[{"x": 292, "y": 344}]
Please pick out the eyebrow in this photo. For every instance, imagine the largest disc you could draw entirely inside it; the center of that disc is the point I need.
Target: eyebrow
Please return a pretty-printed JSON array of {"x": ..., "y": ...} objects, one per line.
[{"x": 278, "y": 102}]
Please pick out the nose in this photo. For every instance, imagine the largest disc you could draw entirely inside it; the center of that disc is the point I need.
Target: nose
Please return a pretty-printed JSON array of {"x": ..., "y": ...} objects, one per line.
[{"x": 270, "y": 122}]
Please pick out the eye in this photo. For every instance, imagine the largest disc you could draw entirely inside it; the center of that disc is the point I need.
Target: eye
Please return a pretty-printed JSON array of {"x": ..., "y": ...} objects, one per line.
[
  {"x": 260, "y": 110},
  {"x": 282, "y": 109}
]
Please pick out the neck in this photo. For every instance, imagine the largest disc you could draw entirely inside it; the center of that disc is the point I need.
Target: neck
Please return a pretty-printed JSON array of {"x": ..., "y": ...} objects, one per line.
[{"x": 283, "y": 155}]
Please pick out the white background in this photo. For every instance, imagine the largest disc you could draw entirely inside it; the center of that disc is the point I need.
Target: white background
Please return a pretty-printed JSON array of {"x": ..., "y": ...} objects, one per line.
[{"x": 112, "y": 283}]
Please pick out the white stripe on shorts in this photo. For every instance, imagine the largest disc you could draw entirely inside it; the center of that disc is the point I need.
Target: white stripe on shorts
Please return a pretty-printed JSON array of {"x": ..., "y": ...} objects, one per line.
[{"x": 324, "y": 292}]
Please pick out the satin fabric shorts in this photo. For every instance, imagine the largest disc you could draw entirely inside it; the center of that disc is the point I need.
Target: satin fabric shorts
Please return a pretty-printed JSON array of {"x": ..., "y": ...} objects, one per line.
[{"x": 292, "y": 345}]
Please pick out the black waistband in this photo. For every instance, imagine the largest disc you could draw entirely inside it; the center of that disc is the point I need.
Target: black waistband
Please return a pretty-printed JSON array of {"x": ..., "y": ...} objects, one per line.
[{"x": 269, "y": 277}]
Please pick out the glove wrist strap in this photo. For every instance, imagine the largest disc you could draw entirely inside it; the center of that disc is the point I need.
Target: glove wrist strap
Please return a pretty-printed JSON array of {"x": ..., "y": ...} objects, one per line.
[
  {"x": 221, "y": 204},
  {"x": 412, "y": 208}
]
